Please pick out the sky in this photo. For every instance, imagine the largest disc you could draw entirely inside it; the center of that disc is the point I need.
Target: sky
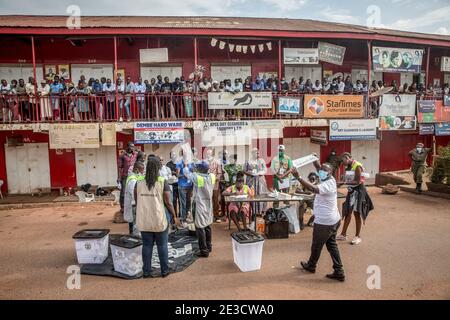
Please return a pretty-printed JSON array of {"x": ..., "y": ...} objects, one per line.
[{"x": 429, "y": 16}]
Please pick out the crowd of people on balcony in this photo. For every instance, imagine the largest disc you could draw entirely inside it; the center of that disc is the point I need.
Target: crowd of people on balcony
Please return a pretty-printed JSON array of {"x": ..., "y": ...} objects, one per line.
[{"x": 19, "y": 101}]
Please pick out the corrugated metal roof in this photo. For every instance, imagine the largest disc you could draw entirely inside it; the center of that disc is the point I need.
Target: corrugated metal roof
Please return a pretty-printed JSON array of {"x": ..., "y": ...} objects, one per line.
[{"x": 277, "y": 24}]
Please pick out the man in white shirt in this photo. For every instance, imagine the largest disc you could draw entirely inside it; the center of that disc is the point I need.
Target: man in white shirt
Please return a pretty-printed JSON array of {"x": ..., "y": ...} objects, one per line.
[
  {"x": 341, "y": 85},
  {"x": 139, "y": 89},
  {"x": 205, "y": 85},
  {"x": 110, "y": 91},
  {"x": 326, "y": 220},
  {"x": 237, "y": 87},
  {"x": 317, "y": 87}
]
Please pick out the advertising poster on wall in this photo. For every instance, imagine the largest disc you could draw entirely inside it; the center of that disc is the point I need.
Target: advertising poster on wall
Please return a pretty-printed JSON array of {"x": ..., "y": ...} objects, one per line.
[
  {"x": 353, "y": 129},
  {"x": 289, "y": 105},
  {"x": 398, "y": 123},
  {"x": 301, "y": 55},
  {"x": 331, "y": 53},
  {"x": 158, "y": 132},
  {"x": 240, "y": 100},
  {"x": 430, "y": 111},
  {"x": 426, "y": 128},
  {"x": 398, "y": 105},
  {"x": 333, "y": 106},
  {"x": 396, "y": 59},
  {"x": 74, "y": 136},
  {"x": 442, "y": 129}
]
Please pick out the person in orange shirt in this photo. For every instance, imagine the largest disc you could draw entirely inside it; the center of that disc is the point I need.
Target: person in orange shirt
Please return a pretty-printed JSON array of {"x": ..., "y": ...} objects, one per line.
[{"x": 236, "y": 213}]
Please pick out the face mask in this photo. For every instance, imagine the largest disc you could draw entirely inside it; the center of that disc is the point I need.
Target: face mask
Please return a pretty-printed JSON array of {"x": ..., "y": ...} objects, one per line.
[
  {"x": 323, "y": 175},
  {"x": 281, "y": 154},
  {"x": 419, "y": 150}
]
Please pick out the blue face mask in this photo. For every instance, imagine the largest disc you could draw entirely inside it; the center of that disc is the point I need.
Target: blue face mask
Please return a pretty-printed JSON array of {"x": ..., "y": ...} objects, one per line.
[{"x": 323, "y": 175}]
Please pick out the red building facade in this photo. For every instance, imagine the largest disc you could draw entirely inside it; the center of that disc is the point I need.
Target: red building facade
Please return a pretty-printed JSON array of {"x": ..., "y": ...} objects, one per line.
[{"x": 114, "y": 43}]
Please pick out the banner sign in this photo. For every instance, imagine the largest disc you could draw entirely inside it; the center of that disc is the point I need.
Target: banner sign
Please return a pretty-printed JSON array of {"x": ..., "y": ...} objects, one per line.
[
  {"x": 445, "y": 64},
  {"x": 426, "y": 128},
  {"x": 430, "y": 111},
  {"x": 442, "y": 129},
  {"x": 396, "y": 59},
  {"x": 398, "y": 123},
  {"x": 158, "y": 132},
  {"x": 333, "y": 106},
  {"x": 74, "y": 136},
  {"x": 301, "y": 56},
  {"x": 331, "y": 53},
  {"x": 447, "y": 101},
  {"x": 289, "y": 105},
  {"x": 398, "y": 105},
  {"x": 354, "y": 129},
  {"x": 319, "y": 137},
  {"x": 240, "y": 100},
  {"x": 155, "y": 55}
]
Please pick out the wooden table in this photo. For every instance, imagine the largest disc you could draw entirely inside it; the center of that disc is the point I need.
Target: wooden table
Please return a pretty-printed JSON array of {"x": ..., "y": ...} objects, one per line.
[{"x": 301, "y": 198}]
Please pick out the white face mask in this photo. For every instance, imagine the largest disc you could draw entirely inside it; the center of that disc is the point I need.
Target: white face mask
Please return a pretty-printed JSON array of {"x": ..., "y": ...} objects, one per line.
[{"x": 419, "y": 150}]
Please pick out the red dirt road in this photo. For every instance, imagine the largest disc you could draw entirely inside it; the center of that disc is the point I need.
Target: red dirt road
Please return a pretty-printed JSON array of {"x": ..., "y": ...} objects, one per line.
[{"x": 407, "y": 236}]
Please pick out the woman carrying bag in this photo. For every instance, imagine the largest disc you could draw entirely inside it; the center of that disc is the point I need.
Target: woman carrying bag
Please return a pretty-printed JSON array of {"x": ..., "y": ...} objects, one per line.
[{"x": 152, "y": 194}]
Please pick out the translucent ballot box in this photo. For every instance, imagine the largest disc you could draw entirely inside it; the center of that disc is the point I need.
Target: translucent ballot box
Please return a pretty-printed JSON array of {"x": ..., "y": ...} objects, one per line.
[
  {"x": 126, "y": 252},
  {"x": 91, "y": 245},
  {"x": 247, "y": 250}
]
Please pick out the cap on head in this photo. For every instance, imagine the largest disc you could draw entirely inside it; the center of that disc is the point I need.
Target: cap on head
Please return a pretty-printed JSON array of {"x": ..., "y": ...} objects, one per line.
[
  {"x": 202, "y": 167},
  {"x": 419, "y": 145}
]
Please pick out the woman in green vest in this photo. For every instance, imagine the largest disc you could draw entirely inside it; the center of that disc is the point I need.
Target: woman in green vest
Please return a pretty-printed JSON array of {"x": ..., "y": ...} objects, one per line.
[{"x": 357, "y": 201}]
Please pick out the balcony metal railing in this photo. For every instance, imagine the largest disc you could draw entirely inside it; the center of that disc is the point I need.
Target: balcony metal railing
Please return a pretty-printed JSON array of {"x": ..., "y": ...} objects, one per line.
[{"x": 140, "y": 107}]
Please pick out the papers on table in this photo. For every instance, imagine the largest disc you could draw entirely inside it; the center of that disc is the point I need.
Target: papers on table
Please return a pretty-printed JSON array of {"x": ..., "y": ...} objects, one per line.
[{"x": 303, "y": 161}]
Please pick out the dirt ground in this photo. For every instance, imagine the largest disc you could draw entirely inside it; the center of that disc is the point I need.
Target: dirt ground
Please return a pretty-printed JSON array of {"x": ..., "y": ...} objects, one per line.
[{"x": 407, "y": 236}]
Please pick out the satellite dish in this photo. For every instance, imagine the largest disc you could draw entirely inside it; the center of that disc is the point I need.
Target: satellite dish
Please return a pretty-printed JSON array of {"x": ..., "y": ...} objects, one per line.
[{"x": 381, "y": 92}]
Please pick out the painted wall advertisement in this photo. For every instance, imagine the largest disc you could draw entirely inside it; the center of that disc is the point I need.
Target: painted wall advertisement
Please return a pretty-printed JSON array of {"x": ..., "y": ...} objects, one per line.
[
  {"x": 240, "y": 100},
  {"x": 333, "y": 106},
  {"x": 331, "y": 53},
  {"x": 354, "y": 129},
  {"x": 426, "y": 128},
  {"x": 289, "y": 105},
  {"x": 442, "y": 129},
  {"x": 396, "y": 59},
  {"x": 108, "y": 134},
  {"x": 398, "y": 105},
  {"x": 319, "y": 137},
  {"x": 74, "y": 135},
  {"x": 430, "y": 111},
  {"x": 301, "y": 55},
  {"x": 398, "y": 123},
  {"x": 159, "y": 132}
]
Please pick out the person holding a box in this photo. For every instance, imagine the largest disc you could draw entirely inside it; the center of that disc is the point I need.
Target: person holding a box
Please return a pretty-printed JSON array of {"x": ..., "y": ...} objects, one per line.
[
  {"x": 357, "y": 201},
  {"x": 326, "y": 222},
  {"x": 203, "y": 201}
]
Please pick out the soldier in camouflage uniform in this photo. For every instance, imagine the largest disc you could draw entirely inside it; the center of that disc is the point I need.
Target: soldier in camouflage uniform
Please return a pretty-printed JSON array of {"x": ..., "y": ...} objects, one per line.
[{"x": 419, "y": 158}]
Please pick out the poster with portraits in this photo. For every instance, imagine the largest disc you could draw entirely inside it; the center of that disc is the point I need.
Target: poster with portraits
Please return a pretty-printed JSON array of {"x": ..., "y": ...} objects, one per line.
[
  {"x": 64, "y": 71},
  {"x": 396, "y": 59},
  {"x": 50, "y": 71}
]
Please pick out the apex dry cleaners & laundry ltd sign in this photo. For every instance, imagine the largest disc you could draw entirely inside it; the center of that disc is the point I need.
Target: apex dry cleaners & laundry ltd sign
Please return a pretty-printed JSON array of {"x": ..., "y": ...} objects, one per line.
[{"x": 353, "y": 129}]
